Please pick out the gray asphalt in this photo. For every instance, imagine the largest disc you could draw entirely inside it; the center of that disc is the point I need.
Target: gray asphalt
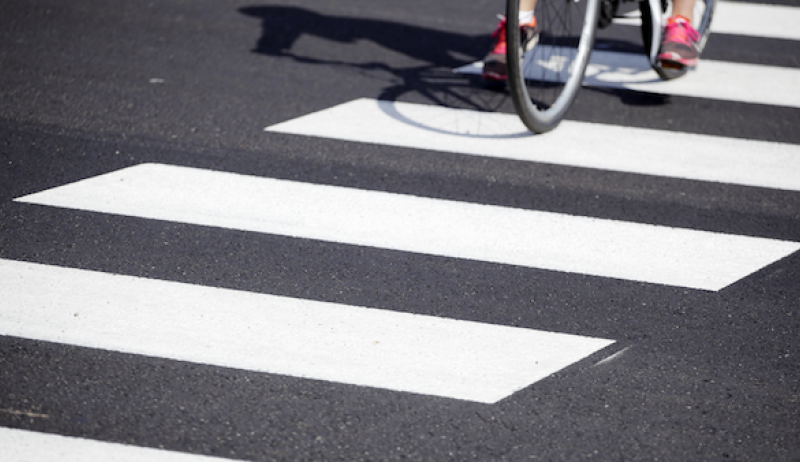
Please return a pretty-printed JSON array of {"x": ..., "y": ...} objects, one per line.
[{"x": 91, "y": 86}]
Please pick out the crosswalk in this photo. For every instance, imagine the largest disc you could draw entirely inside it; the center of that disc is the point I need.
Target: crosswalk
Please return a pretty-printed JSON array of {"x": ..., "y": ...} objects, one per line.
[
  {"x": 325, "y": 341},
  {"x": 749, "y": 19},
  {"x": 552, "y": 241},
  {"x": 576, "y": 144},
  {"x": 718, "y": 80},
  {"x": 379, "y": 347},
  {"x": 29, "y": 446}
]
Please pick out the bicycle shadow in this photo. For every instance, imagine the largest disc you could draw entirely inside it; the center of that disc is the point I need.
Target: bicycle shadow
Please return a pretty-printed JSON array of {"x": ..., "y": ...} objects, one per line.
[
  {"x": 410, "y": 58},
  {"x": 417, "y": 63}
]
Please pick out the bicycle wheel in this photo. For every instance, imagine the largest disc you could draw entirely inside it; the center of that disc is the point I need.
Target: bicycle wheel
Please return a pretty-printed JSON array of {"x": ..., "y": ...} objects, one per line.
[
  {"x": 703, "y": 12},
  {"x": 545, "y": 81}
]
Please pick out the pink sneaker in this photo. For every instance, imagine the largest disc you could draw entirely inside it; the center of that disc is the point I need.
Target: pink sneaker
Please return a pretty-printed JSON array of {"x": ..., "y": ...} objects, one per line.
[{"x": 679, "y": 48}]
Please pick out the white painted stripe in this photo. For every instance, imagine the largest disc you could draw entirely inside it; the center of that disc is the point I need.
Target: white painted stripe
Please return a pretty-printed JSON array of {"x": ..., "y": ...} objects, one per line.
[
  {"x": 770, "y": 21},
  {"x": 739, "y": 18},
  {"x": 598, "y": 146},
  {"x": 28, "y": 446},
  {"x": 300, "y": 338},
  {"x": 724, "y": 81},
  {"x": 553, "y": 241}
]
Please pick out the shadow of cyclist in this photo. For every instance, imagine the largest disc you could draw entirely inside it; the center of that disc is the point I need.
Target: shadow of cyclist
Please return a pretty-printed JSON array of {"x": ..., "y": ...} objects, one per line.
[
  {"x": 433, "y": 53},
  {"x": 282, "y": 26}
]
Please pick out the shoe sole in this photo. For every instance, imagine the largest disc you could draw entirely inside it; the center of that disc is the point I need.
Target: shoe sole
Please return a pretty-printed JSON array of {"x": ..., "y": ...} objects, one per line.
[
  {"x": 494, "y": 77},
  {"x": 677, "y": 65}
]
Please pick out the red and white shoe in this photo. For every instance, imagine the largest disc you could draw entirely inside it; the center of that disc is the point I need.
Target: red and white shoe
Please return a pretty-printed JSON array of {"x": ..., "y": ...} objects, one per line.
[{"x": 495, "y": 67}]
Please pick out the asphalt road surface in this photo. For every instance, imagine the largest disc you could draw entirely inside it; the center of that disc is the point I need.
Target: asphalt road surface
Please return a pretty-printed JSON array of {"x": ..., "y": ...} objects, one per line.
[{"x": 304, "y": 230}]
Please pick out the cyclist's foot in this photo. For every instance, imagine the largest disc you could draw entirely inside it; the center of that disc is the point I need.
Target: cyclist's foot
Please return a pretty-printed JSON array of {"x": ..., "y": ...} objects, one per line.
[
  {"x": 495, "y": 67},
  {"x": 679, "y": 48}
]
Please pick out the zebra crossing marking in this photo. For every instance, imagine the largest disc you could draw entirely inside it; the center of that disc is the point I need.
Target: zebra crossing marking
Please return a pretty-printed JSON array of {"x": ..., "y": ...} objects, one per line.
[
  {"x": 30, "y": 446},
  {"x": 552, "y": 241},
  {"x": 740, "y": 18},
  {"x": 768, "y": 21},
  {"x": 578, "y": 144},
  {"x": 300, "y": 338},
  {"x": 720, "y": 80}
]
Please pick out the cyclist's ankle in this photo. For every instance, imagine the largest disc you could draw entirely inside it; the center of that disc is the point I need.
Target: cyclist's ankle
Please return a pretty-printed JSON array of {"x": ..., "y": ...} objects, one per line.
[
  {"x": 676, "y": 19},
  {"x": 525, "y": 17}
]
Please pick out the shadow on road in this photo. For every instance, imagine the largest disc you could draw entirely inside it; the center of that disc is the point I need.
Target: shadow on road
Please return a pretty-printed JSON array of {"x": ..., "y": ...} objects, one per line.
[{"x": 431, "y": 54}]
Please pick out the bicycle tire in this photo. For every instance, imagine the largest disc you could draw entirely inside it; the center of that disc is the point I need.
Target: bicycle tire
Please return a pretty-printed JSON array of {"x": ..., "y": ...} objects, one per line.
[
  {"x": 704, "y": 11},
  {"x": 545, "y": 81}
]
